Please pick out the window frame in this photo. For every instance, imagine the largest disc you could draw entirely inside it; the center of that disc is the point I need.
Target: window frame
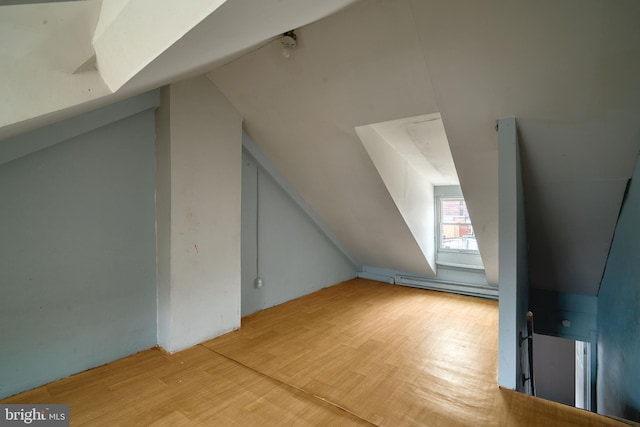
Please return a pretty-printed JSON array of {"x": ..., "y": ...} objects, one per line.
[{"x": 457, "y": 258}]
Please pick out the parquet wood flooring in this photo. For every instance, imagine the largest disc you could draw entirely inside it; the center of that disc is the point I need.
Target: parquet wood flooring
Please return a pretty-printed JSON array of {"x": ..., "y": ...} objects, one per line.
[{"x": 358, "y": 353}]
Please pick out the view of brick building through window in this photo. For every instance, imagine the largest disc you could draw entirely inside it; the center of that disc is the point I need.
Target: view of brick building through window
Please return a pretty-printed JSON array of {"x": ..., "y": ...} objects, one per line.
[{"x": 456, "y": 231}]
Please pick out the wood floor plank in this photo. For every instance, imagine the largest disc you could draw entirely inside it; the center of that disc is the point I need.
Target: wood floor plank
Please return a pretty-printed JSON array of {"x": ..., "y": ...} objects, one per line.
[{"x": 358, "y": 353}]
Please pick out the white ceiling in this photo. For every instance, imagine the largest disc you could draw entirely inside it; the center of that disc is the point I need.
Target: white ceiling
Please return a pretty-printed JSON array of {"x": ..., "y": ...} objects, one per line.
[
  {"x": 567, "y": 70},
  {"x": 47, "y": 50},
  {"x": 348, "y": 70},
  {"x": 422, "y": 140}
]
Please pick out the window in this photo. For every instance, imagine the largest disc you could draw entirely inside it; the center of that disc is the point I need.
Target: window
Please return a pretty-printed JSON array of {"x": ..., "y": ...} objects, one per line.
[
  {"x": 456, "y": 231},
  {"x": 456, "y": 241}
]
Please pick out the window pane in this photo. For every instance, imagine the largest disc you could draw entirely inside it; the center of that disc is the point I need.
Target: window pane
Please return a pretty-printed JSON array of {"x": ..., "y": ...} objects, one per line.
[
  {"x": 458, "y": 236},
  {"x": 456, "y": 231},
  {"x": 455, "y": 210}
]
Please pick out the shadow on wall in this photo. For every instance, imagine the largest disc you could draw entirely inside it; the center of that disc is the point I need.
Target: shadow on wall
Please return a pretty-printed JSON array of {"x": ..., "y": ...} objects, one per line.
[{"x": 630, "y": 412}]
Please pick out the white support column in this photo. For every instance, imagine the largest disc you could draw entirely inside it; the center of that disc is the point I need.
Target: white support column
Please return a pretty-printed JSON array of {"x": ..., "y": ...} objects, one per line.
[{"x": 198, "y": 208}]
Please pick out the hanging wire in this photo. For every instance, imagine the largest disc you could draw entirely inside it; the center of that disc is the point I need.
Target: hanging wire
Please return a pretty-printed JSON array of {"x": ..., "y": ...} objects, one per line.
[{"x": 257, "y": 220}]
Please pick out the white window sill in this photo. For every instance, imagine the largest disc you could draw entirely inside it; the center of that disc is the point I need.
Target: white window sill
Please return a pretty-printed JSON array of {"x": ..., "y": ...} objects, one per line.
[{"x": 460, "y": 266}]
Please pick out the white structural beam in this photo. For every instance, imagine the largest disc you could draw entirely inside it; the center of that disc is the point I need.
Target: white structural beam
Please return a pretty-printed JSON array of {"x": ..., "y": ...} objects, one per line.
[
  {"x": 133, "y": 33},
  {"x": 49, "y": 68}
]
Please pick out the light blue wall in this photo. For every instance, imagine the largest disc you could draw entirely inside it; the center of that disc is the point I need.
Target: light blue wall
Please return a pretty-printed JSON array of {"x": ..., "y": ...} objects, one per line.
[
  {"x": 77, "y": 252},
  {"x": 295, "y": 257},
  {"x": 619, "y": 315},
  {"x": 513, "y": 274},
  {"x": 550, "y": 308}
]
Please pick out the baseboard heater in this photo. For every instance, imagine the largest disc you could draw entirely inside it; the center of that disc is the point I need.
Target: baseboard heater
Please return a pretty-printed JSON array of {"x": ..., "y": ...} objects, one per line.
[{"x": 448, "y": 286}]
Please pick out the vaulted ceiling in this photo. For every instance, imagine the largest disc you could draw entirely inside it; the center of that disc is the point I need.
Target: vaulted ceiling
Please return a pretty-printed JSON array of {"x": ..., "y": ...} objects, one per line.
[{"x": 567, "y": 70}]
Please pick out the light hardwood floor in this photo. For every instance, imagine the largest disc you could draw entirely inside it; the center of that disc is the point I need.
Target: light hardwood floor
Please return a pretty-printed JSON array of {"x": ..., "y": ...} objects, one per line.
[{"x": 358, "y": 353}]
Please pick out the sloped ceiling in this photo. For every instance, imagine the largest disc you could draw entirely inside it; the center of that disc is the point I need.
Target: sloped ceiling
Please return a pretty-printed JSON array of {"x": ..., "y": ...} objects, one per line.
[
  {"x": 568, "y": 71},
  {"x": 360, "y": 66},
  {"x": 48, "y": 51}
]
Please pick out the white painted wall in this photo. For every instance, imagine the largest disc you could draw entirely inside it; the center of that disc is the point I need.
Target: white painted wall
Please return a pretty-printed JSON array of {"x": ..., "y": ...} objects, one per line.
[
  {"x": 199, "y": 292},
  {"x": 412, "y": 192}
]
